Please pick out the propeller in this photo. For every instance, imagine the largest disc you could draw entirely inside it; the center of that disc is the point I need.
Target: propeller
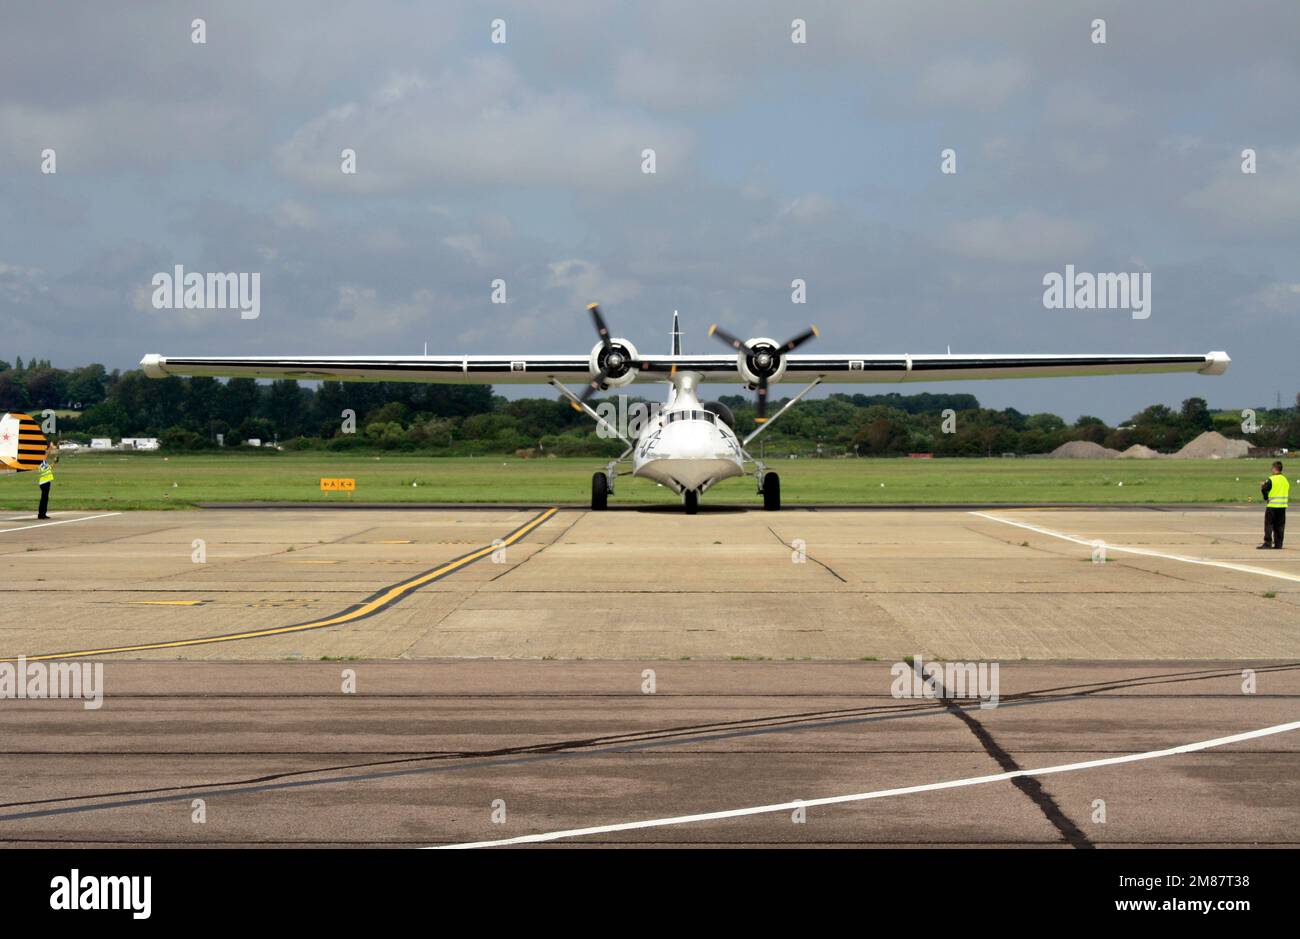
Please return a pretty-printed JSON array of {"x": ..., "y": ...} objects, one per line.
[
  {"x": 763, "y": 359},
  {"x": 614, "y": 361}
]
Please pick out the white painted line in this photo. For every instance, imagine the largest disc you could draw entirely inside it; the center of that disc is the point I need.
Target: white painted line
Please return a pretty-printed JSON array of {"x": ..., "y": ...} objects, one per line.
[
  {"x": 881, "y": 793},
  {"x": 66, "y": 521},
  {"x": 1147, "y": 552}
]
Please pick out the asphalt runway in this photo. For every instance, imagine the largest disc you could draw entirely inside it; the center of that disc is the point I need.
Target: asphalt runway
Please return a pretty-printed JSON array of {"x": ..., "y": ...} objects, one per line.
[
  {"x": 522, "y": 673},
  {"x": 794, "y": 585},
  {"x": 424, "y": 753}
]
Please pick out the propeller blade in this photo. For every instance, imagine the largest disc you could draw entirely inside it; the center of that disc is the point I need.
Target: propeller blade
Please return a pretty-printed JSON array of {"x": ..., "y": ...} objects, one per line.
[
  {"x": 600, "y": 323},
  {"x": 768, "y": 364},
  {"x": 800, "y": 339},
  {"x": 596, "y": 384},
  {"x": 735, "y": 343}
]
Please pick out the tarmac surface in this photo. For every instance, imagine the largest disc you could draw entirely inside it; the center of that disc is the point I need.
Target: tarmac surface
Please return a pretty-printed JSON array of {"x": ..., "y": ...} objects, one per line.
[
  {"x": 425, "y": 753},
  {"x": 651, "y": 584},
  {"x": 442, "y": 677}
]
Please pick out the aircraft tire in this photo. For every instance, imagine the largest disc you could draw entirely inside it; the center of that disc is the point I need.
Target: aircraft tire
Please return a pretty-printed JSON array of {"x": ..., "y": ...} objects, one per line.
[{"x": 772, "y": 492}]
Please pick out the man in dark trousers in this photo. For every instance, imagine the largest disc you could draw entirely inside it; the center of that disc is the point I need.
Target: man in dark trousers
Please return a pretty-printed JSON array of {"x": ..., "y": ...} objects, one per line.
[
  {"x": 1276, "y": 490},
  {"x": 45, "y": 477}
]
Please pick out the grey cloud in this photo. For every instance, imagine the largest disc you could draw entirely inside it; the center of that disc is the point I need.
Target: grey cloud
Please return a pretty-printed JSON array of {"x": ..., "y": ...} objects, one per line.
[
  {"x": 1266, "y": 200},
  {"x": 775, "y": 161},
  {"x": 478, "y": 124},
  {"x": 973, "y": 83},
  {"x": 1027, "y": 236}
]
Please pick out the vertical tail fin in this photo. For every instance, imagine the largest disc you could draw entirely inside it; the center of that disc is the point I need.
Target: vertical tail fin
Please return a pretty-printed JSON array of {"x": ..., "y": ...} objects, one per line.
[
  {"x": 677, "y": 336},
  {"x": 22, "y": 445}
]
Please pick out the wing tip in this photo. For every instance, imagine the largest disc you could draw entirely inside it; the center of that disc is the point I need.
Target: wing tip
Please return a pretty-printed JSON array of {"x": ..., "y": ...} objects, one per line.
[
  {"x": 1216, "y": 363},
  {"x": 154, "y": 365}
]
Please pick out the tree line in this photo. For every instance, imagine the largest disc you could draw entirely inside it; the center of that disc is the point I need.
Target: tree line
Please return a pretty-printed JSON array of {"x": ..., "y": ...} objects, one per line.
[{"x": 191, "y": 413}]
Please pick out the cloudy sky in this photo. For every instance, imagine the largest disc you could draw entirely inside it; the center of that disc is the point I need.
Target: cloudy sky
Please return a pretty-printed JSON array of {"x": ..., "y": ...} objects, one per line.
[{"x": 775, "y": 160}]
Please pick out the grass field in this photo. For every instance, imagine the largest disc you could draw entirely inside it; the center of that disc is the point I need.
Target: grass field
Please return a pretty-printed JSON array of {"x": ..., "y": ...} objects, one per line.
[{"x": 152, "y": 481}]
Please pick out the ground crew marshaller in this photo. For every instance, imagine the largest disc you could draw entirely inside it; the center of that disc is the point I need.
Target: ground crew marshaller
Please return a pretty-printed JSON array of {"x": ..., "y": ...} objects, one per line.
[
  {"x": 1276, "y": 489},
  {"x": 45, "y": 477}
]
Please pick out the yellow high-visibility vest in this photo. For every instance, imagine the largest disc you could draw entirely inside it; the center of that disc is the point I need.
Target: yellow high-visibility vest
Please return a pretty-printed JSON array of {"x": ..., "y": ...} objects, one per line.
[
  {"x": 1279, "y": 489},
  {"x": 47, "y": 473}
]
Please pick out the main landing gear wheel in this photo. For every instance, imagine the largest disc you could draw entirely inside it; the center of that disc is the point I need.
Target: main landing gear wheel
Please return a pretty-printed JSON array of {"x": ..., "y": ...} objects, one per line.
[
  {"x": 692, "y": 501},
  {"x": 772, "y": 492},
  {"x": 599, "y": 492}
]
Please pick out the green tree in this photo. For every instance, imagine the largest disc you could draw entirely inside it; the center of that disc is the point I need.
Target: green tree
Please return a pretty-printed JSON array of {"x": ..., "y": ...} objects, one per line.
[
  {"x": 87, "y": 385},
  {"x": 13, "y": 394},
  {"x": 394, "y": 412},
  {"x": 239, "y": 399},
  {"x": 284, "y": 406},
  {"x": 202, "y": 407},
  {"x": 882, "y": 431},
  {"x": 47, "y": 387},
  {"x": 1195, "y": 415}
]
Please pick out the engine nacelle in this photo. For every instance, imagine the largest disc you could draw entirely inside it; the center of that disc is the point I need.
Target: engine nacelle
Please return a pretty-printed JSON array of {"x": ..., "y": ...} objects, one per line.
[
  {"x": 623, "y": 352},
  {"x": 761, "y": 359},
  {"x": 722, "y": 411}
]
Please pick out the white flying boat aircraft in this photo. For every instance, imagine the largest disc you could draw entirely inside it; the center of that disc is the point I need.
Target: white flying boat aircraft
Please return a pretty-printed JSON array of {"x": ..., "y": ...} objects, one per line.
[{"x": 689, "y": 445}]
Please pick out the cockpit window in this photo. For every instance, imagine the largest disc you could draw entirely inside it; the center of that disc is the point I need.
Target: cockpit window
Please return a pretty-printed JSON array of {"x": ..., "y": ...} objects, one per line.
[{"x": 690, "y": 416}]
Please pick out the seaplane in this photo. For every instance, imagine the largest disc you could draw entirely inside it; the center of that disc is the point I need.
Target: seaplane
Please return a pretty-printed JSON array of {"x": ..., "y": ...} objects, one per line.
[{"x": 688, "y": 445}]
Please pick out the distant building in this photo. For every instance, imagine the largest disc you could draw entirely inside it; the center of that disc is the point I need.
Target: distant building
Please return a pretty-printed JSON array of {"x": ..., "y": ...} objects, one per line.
[
  {"x": 139, "y": 443},
  {"x": 101, "y": 443}
]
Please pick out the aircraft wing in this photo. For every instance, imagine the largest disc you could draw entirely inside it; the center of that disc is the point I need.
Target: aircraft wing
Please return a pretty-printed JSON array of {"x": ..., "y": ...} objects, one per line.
[
  {"x": 953, "y": 367},
  {"x": 445, "y": 369},
  {"x": 575, "y": 369}
]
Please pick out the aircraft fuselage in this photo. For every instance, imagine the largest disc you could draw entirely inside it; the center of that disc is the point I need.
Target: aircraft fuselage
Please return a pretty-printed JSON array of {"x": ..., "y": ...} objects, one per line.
[{"x": 686, "y": 447}]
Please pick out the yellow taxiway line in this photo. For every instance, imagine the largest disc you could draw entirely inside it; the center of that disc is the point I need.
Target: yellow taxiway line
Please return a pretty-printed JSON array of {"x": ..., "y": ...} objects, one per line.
[{"x": 373, "y": 604}]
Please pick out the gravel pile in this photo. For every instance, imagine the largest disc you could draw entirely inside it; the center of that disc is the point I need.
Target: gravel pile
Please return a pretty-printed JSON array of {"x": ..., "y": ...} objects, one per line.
[
  {"x": 1212, "y": 445},
  {"x": 1083, "y": 450}
]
